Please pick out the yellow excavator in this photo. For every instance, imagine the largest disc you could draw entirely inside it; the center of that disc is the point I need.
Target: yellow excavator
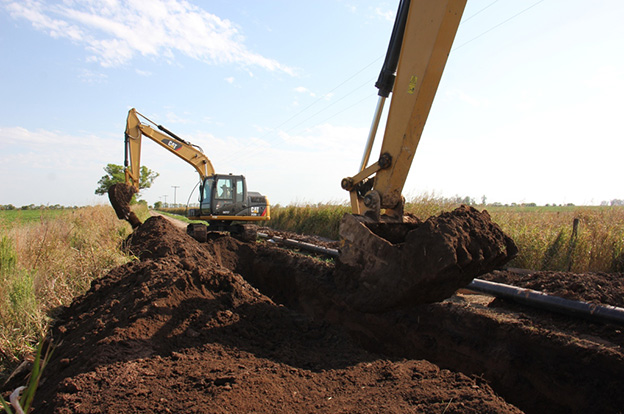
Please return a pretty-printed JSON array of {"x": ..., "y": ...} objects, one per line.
[{"x": 224, "y": 200}]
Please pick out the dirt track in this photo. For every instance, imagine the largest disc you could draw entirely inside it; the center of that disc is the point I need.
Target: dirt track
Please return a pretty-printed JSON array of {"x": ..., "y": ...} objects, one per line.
[{"x": 183, "y": 330}]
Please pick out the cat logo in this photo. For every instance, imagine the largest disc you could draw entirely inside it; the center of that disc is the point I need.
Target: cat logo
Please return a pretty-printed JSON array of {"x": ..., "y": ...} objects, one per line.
[{"x": 171, "y": 144}]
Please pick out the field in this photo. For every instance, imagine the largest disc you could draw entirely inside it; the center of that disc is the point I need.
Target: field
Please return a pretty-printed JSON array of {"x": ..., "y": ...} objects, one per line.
[
  {"x": 226, "y": 326},
  {"x": 29, "y": 216},
  {"x": 47, "y": 258}
]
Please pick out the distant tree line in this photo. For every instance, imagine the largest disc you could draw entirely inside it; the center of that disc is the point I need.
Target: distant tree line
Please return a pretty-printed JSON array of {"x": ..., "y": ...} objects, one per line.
[
  {"x": 614, "y": 202},
  {"x": 35, "y": 207}
]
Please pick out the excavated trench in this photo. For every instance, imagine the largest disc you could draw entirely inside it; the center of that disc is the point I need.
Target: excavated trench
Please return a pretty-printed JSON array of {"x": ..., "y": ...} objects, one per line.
[{"x": 532, "y": 359}]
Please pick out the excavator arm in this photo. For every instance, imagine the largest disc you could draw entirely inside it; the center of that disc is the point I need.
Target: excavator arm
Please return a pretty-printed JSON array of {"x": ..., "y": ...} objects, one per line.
[
  {"x": 388, "y": 262},
  {"x": 420, "y": 44},
  {"x": 135, "y": 130}
]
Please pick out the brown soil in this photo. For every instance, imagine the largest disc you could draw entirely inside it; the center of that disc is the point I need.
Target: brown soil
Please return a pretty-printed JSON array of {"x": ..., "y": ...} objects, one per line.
[
  {"x": 177, "y": 332},
  {"x": 227, "y": 326},
  {"x": 385, "y": 266},
  {"x": 120, "y": 196}
]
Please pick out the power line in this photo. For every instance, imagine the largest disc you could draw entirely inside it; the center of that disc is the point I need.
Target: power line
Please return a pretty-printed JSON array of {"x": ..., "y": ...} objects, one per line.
[
  {"x": 498, "y": 25},
  {"x": 241, "y": 155},
  {"x": 248, "y": 153},
  {"x": 328, "y": 93},
  {"x": 486, "y": 7},
  {"x": 367, "y": 83}
]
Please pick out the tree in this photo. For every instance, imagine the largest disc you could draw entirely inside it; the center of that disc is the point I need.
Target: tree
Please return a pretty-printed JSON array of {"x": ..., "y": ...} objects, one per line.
[{"x": 115, "y": 175}]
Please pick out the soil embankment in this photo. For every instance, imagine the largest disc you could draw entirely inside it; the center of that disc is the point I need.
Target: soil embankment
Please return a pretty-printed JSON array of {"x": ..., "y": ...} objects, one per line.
[
  {"x": 178, "y": 332},
  {"x": 228, "y": 326}
]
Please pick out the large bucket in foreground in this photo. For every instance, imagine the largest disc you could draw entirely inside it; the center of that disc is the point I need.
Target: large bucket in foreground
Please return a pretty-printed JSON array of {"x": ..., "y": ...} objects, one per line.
[{"x": 386, "y": 266}]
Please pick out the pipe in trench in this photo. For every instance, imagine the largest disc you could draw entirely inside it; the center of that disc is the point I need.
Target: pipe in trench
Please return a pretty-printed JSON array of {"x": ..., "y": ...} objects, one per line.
[{"x": 594, "y": 312}]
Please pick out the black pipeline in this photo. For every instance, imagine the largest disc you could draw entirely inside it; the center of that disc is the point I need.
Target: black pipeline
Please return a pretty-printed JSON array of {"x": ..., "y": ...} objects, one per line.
[{"x": 594, "y": 312}]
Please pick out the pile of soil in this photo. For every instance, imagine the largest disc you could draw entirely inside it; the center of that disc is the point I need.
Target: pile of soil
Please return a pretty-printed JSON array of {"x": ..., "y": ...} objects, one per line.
[
  {"x": 178, "y": 331},
  {"x": 536, "y": 360}
]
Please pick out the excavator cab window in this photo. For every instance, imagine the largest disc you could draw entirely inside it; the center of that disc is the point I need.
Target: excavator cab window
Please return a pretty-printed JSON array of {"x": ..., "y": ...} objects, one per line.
[
  {"x": 223, "y": 195},
  {"x": 225, "y": 189},
  {"x": 207, "y": 191},
  {"x": 240, "y": 190}
]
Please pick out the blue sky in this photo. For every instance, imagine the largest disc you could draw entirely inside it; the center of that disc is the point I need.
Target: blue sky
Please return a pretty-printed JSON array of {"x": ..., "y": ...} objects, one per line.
[{"x": 529, "y": 108}]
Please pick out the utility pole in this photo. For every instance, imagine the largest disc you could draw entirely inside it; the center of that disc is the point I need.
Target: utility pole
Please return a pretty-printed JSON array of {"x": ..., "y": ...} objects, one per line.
[
  {"x": 165, "y": 196},
  {"x": 175, "y": 187}
]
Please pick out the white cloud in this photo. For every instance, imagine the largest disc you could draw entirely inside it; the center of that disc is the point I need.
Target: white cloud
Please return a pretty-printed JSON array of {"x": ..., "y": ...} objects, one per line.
[
  {"x": 385, "y": 14},
  {"x": 143, "y": 72},
  {"x": 304, "y": 90},
  {"x": 92, "y": 77},
  {"x": 115, "y": 32}
]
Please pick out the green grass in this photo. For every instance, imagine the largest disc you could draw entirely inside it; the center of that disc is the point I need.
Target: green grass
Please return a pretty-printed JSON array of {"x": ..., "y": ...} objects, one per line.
[
  {"x": 547, "y": 241},
  {"x": 319, "y": 219},
  {"x": 28, "y": 216},
  {"x": 28, "y": 391}
]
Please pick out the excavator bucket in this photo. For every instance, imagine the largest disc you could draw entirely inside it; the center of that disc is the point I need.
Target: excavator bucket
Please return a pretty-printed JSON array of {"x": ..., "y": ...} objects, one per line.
[
  {"x": 387, "y": 266},
  {"x": 120, "y": 196}
]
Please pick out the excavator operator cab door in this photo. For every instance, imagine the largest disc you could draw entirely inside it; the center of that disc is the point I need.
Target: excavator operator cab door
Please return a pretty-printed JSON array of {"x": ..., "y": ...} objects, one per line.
[{"x": 223, "y": 195}]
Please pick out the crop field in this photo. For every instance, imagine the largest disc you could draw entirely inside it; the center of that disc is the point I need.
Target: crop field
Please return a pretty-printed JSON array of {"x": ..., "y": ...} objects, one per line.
[
  {"x": 12, "y": 217},
  {"x": 48, "y": 257},
  {"x": 153, "y": 321}
]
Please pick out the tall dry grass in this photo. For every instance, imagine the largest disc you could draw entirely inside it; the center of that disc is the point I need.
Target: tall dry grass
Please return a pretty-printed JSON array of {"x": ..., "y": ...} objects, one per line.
[
  {"x": 314, "y": 219},
  {"x": 45, "y": 264},
  {"x": 549, "y": 239}
]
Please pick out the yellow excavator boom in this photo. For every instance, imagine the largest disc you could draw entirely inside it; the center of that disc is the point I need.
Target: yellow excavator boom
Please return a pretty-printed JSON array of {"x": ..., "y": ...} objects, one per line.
[
  {"x": 135, "y": 130},
  {"x": 387, "y": 261},
  {"x": 427, "y": 37}
]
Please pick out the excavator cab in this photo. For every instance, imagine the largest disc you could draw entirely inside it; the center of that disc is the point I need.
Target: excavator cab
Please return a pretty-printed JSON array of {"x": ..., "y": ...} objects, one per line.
[{"x": 226, "y": 195}]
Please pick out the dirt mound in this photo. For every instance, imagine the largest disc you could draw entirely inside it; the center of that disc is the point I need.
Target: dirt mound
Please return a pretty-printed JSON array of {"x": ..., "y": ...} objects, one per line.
[{"x": 178, "y": 332}]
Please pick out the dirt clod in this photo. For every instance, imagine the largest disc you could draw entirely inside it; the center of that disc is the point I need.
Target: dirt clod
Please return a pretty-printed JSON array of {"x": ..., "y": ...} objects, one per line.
[
  {"x": 120, "y": 196},
  {"x": 389, "y": 266}
]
